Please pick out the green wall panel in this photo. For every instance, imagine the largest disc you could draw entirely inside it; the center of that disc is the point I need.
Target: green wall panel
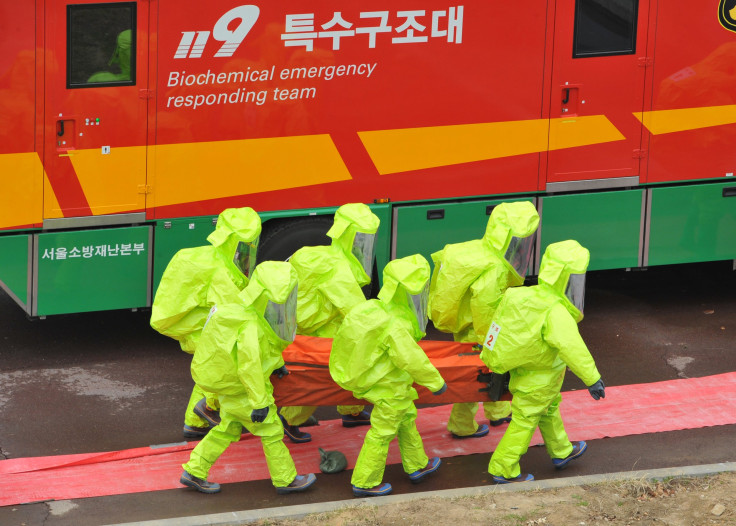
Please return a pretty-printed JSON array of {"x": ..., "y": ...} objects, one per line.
[
  {"x": 172, "y": 235},
  {"x": 608, "y": 224},
  {"x": 91, "y": 270},
  {"x": 421, "y": 230},
  {"x": 14, "y": 267},
  {"x": 693, "y": 223}
]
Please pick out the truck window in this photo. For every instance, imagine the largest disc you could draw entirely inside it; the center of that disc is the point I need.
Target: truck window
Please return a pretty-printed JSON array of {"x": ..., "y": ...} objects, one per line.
[
  {"x": 605, "y": 27},
  {"x": 101, "y": 45}
]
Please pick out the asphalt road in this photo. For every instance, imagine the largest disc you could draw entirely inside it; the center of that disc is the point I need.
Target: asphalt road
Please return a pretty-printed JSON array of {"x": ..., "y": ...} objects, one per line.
[{"x": 106, "y": 381}]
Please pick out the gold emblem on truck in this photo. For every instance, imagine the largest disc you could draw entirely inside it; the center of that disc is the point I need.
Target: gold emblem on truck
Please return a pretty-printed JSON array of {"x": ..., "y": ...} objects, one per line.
[{"x": 727, "y": 14}]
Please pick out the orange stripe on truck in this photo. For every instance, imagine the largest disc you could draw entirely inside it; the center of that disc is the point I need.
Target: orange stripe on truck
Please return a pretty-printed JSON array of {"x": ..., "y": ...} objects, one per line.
[
  {"x": 110, "y": 182},
  {"x": 410, "y": 149},
  {"x": 201, "y": 171},
  {"x": 21, "y": 199},
  {"x": 671, "y": 121}
]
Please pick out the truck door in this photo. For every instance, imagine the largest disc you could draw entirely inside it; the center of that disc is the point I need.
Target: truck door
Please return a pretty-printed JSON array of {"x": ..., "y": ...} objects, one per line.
[
  {"x": 96, "y": 101},
  {"x": 598, "y": 76}
]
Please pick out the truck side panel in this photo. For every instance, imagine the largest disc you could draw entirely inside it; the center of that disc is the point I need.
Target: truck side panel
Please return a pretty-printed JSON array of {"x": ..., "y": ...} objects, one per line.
[
  {"x": 21, "y": 171},
  {"x": 595, "y": 110},
  {"x": 692, "y": 122},
  {"x": 333, "y": 102},
  {"x": 691, "y": 135}
]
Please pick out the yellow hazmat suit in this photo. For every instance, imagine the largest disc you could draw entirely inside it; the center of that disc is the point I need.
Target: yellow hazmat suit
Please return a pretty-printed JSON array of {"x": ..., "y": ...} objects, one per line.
[
  {"x": 330, "y": 281},
  {"x": 535, "y": 336},
  {"x": 122, "y": 57},
  {"x": 468, "y": 282},
  {"x": 200, "y": 277},
  {"x": 376, "y": 356},
  {"x": 240, "y": 348}
]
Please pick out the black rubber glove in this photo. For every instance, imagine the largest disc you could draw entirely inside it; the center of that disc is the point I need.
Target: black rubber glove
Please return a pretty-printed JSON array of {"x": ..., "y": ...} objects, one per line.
[
  {"x": 281, "y": 371},
  {"x": 259, "y": 415},
  {"x": 597, "y": 390},
  {"x": 442, "y": 389}
]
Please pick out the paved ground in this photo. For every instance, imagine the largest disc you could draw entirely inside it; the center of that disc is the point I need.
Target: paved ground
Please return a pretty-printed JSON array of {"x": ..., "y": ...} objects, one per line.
[{"x": 106, "y": 381}]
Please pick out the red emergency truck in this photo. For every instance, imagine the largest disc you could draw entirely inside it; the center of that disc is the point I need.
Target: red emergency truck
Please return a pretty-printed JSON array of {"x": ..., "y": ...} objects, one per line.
[{"x": 126, "y": 127}]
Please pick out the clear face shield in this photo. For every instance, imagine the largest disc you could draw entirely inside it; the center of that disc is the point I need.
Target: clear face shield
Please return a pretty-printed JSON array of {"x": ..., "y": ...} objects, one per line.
[
  {"x": 363, "y": 250},
  {"x": 282, "y": 317},
  {"x": 519, "y": 253},
  {"x": 418, "y": 303},
  {"x": 575, "y": 290},
  {"x": 245, "y": 256}
]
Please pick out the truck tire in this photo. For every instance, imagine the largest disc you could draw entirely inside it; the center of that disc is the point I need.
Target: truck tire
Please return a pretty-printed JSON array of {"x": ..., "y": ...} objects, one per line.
[{"x": 282, "y": 237}]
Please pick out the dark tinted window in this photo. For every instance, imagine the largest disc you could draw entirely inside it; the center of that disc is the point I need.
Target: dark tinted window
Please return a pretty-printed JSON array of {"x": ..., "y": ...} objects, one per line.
[
  {"x": 101, "y": 45},
  {"x": 605, "y": 27}
]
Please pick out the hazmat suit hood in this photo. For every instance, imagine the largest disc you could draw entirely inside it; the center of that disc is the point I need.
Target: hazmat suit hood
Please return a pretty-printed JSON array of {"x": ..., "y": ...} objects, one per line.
[
  {"x": 510, "y": 231},
  {"x": 236, "y": 239},
  {"x": 122, "y": 53},
  {"x": 353, "y": 232},
  {"x": 406, "y": 285},
  {"x": 563, "y": 270},
  {"x": 272, "y": 293}
]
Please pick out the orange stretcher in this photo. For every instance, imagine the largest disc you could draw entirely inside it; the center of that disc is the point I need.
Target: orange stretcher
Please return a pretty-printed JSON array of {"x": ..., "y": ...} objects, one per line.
[{"x": 309, "y": 381}]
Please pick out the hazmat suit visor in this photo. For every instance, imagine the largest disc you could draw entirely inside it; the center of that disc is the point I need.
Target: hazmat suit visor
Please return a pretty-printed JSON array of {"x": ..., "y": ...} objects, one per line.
[
  {"x": 245, "y": 256},
  {"x": 363, "y": 247},
  {"x": 418, "y": 304},
  {"x": 575, "y": 290},
  {"x": 519, "y": 253},
  {"x": 282, "y": 317}
]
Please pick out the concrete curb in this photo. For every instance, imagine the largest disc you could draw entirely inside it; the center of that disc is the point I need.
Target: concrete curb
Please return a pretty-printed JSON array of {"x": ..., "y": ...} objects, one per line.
[{"x": 300, "y": 511}]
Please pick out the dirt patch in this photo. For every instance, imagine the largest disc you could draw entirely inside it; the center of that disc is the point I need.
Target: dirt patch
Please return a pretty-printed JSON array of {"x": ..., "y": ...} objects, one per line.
[{"x": 681, "y": 501}]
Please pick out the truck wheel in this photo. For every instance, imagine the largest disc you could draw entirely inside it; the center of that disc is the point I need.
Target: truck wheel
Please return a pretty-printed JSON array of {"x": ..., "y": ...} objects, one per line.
[{"x": 282, "y": 237}]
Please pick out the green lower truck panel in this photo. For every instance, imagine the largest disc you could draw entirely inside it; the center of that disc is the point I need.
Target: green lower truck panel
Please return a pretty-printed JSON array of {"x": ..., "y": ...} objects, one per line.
[
  {"x": 608, "y": 224},
  {"x": 424, "y": 229},
  {"x": 692, "y": 223},
  {"x": 59, "y": 272},
  {"x": 91, "y": 270},
  {"x": 15, "y": 254},
  {"x": 175, "y": 234}
]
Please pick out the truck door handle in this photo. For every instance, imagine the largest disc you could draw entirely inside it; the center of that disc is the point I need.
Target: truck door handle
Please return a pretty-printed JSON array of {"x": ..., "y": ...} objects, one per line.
[
  {"x": 61, "y": 129},
  {"x": 567, "y": 96}
]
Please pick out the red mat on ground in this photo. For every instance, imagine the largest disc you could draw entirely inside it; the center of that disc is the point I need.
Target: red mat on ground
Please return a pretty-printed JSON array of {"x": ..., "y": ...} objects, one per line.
[{"x": 650, "y": 408}]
